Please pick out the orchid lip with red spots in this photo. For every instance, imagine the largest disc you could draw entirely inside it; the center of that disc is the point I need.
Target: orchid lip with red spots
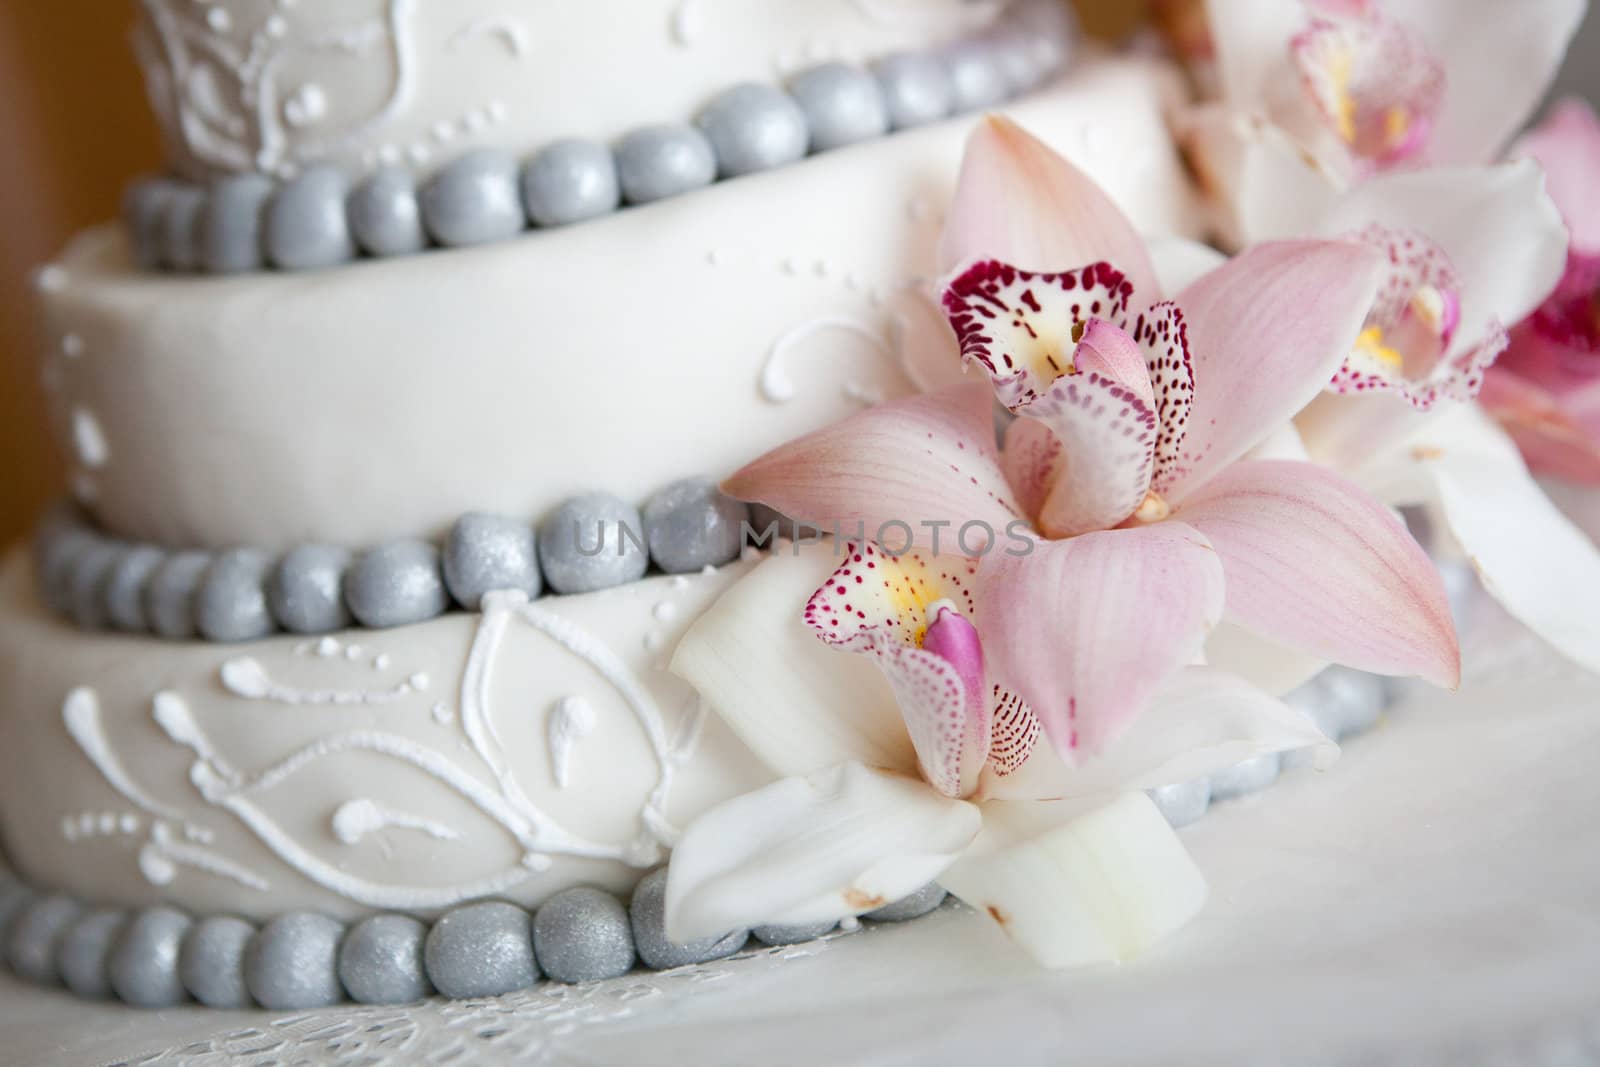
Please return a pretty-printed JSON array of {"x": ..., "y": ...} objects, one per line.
[{"x": 1408, "y": 344}]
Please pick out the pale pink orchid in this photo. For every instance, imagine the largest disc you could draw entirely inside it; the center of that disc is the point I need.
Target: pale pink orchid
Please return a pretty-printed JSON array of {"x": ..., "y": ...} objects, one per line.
[
  {"x": 1319, "y": 95},
  {"x": 1474, "y": 247},
  {"x": 1121, "y": 525},
  {"x": 1545, "y": 391}
]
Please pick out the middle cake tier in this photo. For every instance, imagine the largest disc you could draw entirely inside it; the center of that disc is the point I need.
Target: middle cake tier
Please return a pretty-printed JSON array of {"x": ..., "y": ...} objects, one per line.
[{"x": 386, "y": 399}]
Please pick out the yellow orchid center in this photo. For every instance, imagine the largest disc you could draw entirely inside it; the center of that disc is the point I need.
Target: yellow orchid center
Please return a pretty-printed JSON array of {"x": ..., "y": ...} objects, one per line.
[{"x": 1371, "y": 343}]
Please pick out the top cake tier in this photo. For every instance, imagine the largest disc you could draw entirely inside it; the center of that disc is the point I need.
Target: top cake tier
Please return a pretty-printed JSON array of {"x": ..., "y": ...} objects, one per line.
[{"x": 276, "y": 86}]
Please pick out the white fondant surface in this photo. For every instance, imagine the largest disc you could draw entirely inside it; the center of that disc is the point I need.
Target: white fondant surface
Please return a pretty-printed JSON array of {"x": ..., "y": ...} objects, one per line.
[
  {"x": 276, "y": 85},
  {"x": 385, "y": 399},
  {"x": 135, "y": 771}
]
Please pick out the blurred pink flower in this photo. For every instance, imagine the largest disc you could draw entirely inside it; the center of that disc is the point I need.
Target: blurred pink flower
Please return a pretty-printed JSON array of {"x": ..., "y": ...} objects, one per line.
[{"x": 1546, "y": 389}]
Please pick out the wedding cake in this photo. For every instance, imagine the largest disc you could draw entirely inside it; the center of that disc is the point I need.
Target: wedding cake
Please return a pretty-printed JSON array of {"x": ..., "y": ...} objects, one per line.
[{"x": 323, "y": 683}]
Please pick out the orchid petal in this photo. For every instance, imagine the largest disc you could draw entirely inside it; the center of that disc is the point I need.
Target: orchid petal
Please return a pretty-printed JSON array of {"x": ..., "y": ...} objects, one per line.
[
  {"x": 1201, "y": 721},
  {"x": 1024, "y": 327},
  {"x": 1262, "y": 184},
  {"x": 1112, "y": 352},
  {"x": 1013, "y": 735},
  {"x": 874, "y": 592},
  {"x": 1096, "y": 887},
  {"x": 1482, "y": 113},
  {"x": 1550, "y": 439},
  {"x": 925, "y": 343},
  {"x": 1501, "y": 233},
  {"x": 1108, "y": 440},
  {"x": 1531, "y": 558},
  {"x": 1252, "y": 39},
  {"x": 1375, "y": 82},
  {"x": 1566, "y": 146},
  {"x": 907, "y": 612},
  {"x": 1269, "y": 666},
  {"x": 1086, "y": 630},
  {"x": 840, "y": 842},
  {"x": 797, "y": 704},
  {"x": 1021, "y": 202},
  {"x": 1267, "y": 330},
  {"x": 1033, "y": 460},
  {"x": 896, "y": 471},
  {"x": 1180, "y": 262},
  {"x": 1405, "y": 348},
  {"x": 1316, "y": 563},
  {"x": 1165, "y": 341}
]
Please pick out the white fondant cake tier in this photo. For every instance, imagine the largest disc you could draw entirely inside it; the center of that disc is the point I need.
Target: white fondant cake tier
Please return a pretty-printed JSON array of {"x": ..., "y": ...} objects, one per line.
[
  {"x": 275, "y": 86},
  {"x": 510, "y": 754},
  {"x": 385, "y": 399}
]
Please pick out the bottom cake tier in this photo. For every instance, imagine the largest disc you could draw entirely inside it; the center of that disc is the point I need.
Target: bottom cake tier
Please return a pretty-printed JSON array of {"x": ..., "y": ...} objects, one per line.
[{"x": 508, "y": 754}]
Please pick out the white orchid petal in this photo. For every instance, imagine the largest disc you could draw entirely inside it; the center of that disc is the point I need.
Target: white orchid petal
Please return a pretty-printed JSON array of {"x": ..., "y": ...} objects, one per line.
[
  {"x": 798, "y": 704},
  {"x": 1100, "y": 887},
  {"x": 1200, "y": 722},
  {"x": 1261, "y": 184},
  {"x": 1180, "y": 262},
  {"x": 1267, "y": 665},
  {"x": 840, "y": 842},
  {"x": 1501, "y": 233},
  {"x": 1541, "y": 567},
  {"x": 1475, "y": 38}
]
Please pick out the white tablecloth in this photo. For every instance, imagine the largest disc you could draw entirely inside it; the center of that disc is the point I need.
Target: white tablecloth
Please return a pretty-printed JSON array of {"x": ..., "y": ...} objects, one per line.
[{"x": 1433, "y": 899}]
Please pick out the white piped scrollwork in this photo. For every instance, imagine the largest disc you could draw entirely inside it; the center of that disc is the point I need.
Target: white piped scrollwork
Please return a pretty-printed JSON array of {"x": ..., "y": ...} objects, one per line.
[{"x": 174, "y": 841}]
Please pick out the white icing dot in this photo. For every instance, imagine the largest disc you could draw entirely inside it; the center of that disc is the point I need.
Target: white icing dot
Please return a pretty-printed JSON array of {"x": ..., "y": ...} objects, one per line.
[
  {"x": 496, "y": 111},
  {"x": 277, "y": 26},
  {"x": 88, "y": 439},
  {"x": 51, "y": 279},
  {"x": 306, "y": 106},
  {"x": 356, "y": 819},
  {"x": 535, "y": 861},
  {"x": 156, "y": 868},
  {"x": 389, "y": 153},
  {"x": 107, "y": 823},
  {"x": 791, "y": 266},
  {"x": 246, "y": 677},
  {"x": 69, "y": 828},
  {"x": 219, "y": 19},
  {"x": 353, "y": 653},
  {"x": 419, "y": 682},
  {"x": 442, "y": 714},
  {"x": 380, "y": 662},
  {"x": 419, "y": 153},
  {"x": 328, "y": 646},
  {"x": 85, "y": 822},
  {"x": 821, "y": 268},
  {"x": 665, "y": 611},
  {"x": 652, "y": 642},
  {"x": 72, "y": 346},
  {"x": 129, "y": 823},
  {"x": 444, "y": 131},
  {"x": 850, "y": 924},
  {"x": 680, "y": 581}
]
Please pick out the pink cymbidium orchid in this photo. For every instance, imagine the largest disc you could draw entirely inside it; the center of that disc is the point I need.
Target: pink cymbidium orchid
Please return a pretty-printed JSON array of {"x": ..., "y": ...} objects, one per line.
[
  {"x": 1319, "y": 95},
  {"x": 1124, "y": 464},
  {"x": 1022, "y": 688},
  {"x": 1545, "y": 391}
]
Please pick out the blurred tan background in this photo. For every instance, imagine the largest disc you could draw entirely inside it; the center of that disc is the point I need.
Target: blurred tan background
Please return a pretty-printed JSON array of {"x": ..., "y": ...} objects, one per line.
[{"x": 74, "y": 129}]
